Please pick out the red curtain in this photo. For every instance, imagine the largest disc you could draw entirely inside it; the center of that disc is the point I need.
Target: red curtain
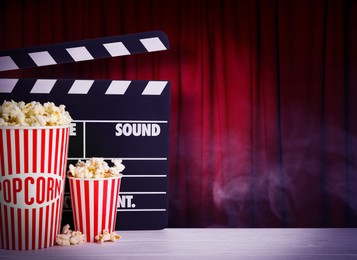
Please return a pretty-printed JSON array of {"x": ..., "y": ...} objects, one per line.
[{"x": 263, "y": 102}]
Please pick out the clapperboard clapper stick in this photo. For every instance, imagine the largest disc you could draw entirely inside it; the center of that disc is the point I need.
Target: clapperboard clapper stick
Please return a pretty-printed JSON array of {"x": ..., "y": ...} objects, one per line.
[
  {"x": 127, "y": 119},
  {"x": 83, "y": 50}
]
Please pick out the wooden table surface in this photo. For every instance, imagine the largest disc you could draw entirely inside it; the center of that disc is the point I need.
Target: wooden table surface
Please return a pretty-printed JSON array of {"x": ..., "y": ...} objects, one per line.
[{"x": 209, "y": 243}]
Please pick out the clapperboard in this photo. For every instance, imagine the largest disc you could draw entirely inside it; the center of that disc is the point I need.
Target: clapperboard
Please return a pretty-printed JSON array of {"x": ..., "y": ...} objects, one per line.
[{"x": 127, "y": 119}]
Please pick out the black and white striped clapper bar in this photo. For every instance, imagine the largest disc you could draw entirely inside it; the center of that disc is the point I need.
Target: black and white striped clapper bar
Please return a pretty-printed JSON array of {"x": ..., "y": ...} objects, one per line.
[{"x": 127, "y": 119}]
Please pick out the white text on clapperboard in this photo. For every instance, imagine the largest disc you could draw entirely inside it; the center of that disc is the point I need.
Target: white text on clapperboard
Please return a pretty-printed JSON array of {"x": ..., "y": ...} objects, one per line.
[{"x": 127, "y": 129}]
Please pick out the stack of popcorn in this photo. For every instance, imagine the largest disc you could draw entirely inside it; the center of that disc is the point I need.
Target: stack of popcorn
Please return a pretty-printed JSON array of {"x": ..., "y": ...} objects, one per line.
[
  {"x": 35, "y": 137},
  {"x": 33, "y": 114},
  {"x": 95, "y": 181},
  {"x": 69, "y": 237},
  {"x": 96, "y": 168}
]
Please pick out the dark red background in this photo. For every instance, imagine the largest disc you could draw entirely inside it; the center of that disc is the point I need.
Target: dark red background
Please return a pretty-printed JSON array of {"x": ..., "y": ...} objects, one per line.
[{"x": 263, "y": 102}]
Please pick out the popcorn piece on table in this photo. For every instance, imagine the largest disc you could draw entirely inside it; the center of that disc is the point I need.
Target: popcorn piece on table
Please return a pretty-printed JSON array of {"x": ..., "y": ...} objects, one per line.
[
  {"x": 106, "y": 236},
  {"x": 96, "y": 168},
  {"x": 33, "y": 114},
  {"x": 69, "y": 237}
]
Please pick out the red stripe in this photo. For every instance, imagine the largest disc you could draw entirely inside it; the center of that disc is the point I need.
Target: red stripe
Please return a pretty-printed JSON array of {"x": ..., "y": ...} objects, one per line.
[
  {"x": 105, "y": 193},
  {"x": 79, "y": 201},
  {"x": 17, "y": 150},
  {"x": 43, "y": 151},
  {"x": 2, "y": 149},
  {"x": 50, "y": 143},
  {"x": 1, "y": 230},
  {"x": 40, "y": 222},
  {"x": 34, "y": 150},
  {"x": 19, "y": 228},
  {"x": 86, "y": 198},
  {"x": 26, "y": 150},
  {"x": 9, "y": 163},
  {"x": 27, "y": 229},
  {"x": 96, "y": 229},
  {"x": 6, "y": 228}
]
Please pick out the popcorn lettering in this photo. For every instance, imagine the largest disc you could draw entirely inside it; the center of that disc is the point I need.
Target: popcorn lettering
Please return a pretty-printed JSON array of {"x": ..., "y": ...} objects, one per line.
[
  {"x": 69, "y": 237},
  {"x": 33, "y": 114},
  {"x": 96, "y": 168},
  {"x": 106, "y": 236}
]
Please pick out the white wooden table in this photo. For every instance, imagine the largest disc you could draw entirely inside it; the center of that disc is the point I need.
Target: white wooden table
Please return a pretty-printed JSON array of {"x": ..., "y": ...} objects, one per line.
[{"x": 210, "y": 244}]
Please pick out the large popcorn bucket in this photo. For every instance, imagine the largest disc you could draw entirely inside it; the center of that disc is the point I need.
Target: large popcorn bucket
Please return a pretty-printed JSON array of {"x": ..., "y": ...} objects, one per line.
[
  {"x": 94, "y": 204},
  {"x": 32, "y": 175}
]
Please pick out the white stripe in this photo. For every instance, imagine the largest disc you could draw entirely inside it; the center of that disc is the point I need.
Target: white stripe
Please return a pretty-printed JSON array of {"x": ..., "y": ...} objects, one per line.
[
  {"x": 39, "y": 150},
  {"x": 109, "y": 186},
  {"x": 37, "y": 230},
  {"x": 43, "y": 86},
  {"x": 23, "y": 238},
  {"x": 16, "y": 231},
  {"x": 58, "y": 154},
  {"x": 118, "y": 87},
  {"x": 48, "y": 223},
  {"x": 153, "y": 44},
  {"x": 11, "y": 232},
  {"x": 80, "y": 86},
  {"x": 43, "y": 235},
  {"x": 47, "y": 146},
  {"x": 79, "y": 53},
  {"x": 22, "y": 152},
  {"x": 30, "y": 154},
  {"x": 154, "y": 88},
  {"x": 29, "y": 238},
  {"x": 91, "y": 208},
  {"x": 3, "y": 225},
  {"x": 7, "y": 63},
  {"x": 84, "y": 139},
  {"x": 42, "y": 58},
  {"x": 116, "y": 49},
  {"x": 100, "y": 206},
  {"x": 83, "y": 204},
  {"x": 7, "y": 85}
]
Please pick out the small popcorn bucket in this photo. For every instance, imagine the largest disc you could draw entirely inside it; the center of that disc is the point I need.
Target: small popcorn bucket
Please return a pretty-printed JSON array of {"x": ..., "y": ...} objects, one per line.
[
  {"x": 33, "y": 164},
  {"x": 94, "y": 204}
]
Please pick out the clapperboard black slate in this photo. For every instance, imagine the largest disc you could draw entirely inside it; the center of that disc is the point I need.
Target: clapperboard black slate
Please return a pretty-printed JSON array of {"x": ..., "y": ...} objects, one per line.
[{"x": 112, "y": 119}]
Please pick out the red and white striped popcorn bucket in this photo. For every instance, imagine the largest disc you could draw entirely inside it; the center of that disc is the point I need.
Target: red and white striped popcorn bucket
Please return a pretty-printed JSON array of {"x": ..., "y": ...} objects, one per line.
[
  {"x": 33, "y": 164},
  {"x": 94, "y": 204}
]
